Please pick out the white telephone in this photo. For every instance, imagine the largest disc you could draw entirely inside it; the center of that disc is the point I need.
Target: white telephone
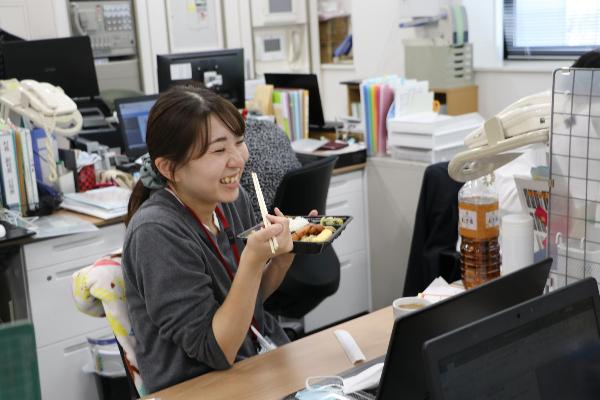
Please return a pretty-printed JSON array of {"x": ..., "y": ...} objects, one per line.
[
  {"x": 41, "y": 105},
  {"x": 525, "y": 122}
]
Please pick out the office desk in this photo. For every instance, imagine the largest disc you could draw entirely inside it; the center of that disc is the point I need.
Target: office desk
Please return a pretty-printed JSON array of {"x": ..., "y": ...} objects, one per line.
[
  {"x": 35, "y": 284},
  {"x": 275, "y": 374}
]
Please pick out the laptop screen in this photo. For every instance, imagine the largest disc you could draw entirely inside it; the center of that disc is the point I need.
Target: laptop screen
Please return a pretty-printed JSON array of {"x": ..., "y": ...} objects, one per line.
[
  {"x": 404, "y": 371},
  {"x": 133, "y": 119},
  {"x": 513, "y": 355},
  {"x": 469, "y": 373}
]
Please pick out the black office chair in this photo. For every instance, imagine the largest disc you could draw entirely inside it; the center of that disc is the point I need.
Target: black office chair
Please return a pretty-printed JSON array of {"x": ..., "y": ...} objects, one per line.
[
  {"x": 311, "y": 278},
  {"x": 433, "y": 248}
]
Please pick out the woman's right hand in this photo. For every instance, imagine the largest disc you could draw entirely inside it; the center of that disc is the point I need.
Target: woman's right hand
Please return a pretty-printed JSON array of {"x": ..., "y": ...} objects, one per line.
[{"x": 258, "y": 247}]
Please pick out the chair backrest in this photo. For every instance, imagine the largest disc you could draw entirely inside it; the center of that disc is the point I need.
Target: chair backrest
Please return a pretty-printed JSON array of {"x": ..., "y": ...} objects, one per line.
[
  {"x": 19, "y": 378},
  {"x": 306, "y": 188},
  {"x": 311, "y": 278}
]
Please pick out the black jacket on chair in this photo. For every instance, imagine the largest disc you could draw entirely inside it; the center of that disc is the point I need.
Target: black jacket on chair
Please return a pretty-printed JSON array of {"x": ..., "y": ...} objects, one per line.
[{"x": 433, "y": 248}]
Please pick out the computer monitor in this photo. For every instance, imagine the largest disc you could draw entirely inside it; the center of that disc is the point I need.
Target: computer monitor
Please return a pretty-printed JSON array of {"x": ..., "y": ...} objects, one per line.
[
  {"x": 65, "y": 62},
  {"x": 309, "y": 82},
  {"x": 403, "y": 375},
  {"x": 545, "y": 348},
  {"x": 222, "y": 71},
  {"x": 132, "y": 113}
]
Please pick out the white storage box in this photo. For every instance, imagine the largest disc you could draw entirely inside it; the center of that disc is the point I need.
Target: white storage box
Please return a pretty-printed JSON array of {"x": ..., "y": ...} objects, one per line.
[
  {"x": 431, "y": 131},
  {"x": 424, "y": 155}
]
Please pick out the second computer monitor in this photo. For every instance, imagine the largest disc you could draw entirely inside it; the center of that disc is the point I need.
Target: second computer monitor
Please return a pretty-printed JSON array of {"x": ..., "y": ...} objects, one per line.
[
  {"x": 65, "y": 62},
  {"x": 221, "y": 71}
]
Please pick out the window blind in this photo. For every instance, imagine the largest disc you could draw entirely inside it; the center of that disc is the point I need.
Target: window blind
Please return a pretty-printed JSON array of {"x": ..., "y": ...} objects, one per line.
[{"x": 550, "y": 29}]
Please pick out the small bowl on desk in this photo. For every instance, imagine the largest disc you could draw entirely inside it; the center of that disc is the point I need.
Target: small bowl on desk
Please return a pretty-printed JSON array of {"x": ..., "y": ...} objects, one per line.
[
  {"x": 311, "y": 243},
  {"x": 406, "y": 305}
]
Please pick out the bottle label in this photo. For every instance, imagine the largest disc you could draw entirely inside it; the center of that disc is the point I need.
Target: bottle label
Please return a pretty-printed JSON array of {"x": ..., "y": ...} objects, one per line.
[
  {"x": 492, "y": 219},
  {"x": 467, "y": 219},
  {"x": 478, "y": 221}
]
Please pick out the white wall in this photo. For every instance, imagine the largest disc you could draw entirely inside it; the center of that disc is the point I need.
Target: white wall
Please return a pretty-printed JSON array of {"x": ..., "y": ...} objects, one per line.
[
  {"x": 34, "y": 19},
  {"x": 377, "y": 48}
]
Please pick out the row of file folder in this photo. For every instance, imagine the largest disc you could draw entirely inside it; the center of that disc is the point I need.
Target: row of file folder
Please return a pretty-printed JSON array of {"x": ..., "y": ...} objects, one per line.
[
  {"x": 290, "y": 107},
  {"x": 19, "y": 157},
  {"x": 384, "y": 97}
]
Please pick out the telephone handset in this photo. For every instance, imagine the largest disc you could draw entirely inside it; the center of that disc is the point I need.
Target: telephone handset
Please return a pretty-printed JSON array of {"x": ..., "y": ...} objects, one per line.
[
  {"x": 46, "y": 98},
  {"x": 42, "y": 105},
  {"x": 85, "y": 20},
  {"x": 295, "y": 50}
]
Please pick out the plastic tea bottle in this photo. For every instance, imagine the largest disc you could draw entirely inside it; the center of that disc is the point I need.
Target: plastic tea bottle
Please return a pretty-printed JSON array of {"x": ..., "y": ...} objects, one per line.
[{"x": 479, "y": 227}]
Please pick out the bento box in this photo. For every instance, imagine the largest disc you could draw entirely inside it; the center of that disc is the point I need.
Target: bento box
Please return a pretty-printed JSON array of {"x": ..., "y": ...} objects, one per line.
[{"x": 306, "y": 236}]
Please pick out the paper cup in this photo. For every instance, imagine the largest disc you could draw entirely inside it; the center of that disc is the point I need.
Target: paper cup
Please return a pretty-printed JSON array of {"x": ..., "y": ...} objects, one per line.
[{"x": 406, "y": 305}]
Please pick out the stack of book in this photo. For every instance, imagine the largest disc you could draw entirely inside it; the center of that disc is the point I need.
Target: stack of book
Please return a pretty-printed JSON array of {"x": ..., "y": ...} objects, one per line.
[
  {"x": 290, "y": 107},
  {"x": 105, "y": 203},
  {"x": 18, "y": 180}
]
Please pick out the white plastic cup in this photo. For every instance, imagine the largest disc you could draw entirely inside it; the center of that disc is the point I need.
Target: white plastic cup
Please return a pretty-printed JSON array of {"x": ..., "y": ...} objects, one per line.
[
  {"x": 106, "y": 356},
  {"x": 516, "y": 242},
  {"x": 406, "y": 305}
]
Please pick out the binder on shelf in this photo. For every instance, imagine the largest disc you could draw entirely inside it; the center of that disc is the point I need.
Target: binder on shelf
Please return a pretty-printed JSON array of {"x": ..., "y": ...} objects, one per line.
[
  {"x": 10, "y": 177},
  {"x": 42, "y": 161},
  {"x": 19, "y": 156},
  {"x": 30, "y": 176},
  {"x": 290, "y": 107}
]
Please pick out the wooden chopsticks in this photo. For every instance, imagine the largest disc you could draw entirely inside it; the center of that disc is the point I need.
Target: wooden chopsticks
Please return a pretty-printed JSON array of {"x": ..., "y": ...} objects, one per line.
[{"x": 263, "y": 210}]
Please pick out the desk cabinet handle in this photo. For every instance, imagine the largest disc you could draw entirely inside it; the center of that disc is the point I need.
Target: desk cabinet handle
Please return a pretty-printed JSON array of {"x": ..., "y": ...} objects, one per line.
[
  {"x": 67, "y": 273},
  {"x": 76, "y": 243},
  {"x": 75, "y": 348}
]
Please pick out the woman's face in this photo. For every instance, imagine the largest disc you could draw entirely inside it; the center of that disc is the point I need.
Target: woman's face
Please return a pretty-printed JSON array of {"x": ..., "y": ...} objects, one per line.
[{"x": 215, "y": 177}]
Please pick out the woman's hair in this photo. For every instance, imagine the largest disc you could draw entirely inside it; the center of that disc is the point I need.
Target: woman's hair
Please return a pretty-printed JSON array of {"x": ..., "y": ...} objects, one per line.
[
  {"x": 178, "y": 130},
  {"x": 591, "y": 59}
]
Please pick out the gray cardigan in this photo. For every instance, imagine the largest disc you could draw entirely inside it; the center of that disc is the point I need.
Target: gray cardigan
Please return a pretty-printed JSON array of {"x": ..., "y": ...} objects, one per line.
[{"x": 174, "y": 284}]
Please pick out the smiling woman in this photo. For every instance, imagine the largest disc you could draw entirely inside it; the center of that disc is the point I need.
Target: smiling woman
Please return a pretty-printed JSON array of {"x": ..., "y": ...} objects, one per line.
[{"x": 194, "y": 292}]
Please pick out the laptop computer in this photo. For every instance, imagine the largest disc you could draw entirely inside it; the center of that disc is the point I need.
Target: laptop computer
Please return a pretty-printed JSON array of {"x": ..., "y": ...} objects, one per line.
[
  {"x": 132, "y": 113},
  {"x": 403, "y": 375},
  {"x": 545, "y": 348},
  {"x": 316, "y": 120}
]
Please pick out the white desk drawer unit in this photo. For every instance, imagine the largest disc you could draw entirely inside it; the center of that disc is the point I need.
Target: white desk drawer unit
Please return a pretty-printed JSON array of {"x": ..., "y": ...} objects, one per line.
[
  {"x": 346, "y": 197},
  {"x": 72, "y": 247},
  {"x": 60, "y": 366},
  {"x": 52, "y": 308},
  {"x": 61, "y": 331}
]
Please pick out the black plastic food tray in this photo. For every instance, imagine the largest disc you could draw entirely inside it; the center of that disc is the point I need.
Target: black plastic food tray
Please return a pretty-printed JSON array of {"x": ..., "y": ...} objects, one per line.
[{"x": 308, "y": 247}]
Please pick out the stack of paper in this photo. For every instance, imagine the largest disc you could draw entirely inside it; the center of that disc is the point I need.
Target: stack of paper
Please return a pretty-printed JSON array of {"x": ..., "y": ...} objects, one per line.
[
  {"x": 105, "y": 203},
  {"x": 439, "y": 289}
]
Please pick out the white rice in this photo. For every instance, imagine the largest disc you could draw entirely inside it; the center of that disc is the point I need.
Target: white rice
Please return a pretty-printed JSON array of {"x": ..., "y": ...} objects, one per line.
[{"x": 297, "y": 223}]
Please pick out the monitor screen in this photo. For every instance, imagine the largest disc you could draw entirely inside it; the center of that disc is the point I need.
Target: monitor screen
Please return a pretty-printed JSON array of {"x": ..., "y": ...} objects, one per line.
[
  {"x": 302, "y": 81},
  {"x": 222, "y": 71},
  {"x": 133, "y": 119},
  {"x": 65, "y": 62}
]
